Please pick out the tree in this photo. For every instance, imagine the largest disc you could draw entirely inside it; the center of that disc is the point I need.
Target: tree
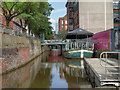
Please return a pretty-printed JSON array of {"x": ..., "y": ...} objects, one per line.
[
  {"x": 62, "y": 34},
  {"x": 13, "y": 9},
  {"x": 35, "y": 15}
]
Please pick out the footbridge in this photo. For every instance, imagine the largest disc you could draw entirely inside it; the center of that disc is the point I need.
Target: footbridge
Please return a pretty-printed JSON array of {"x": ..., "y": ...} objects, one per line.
[{"x": 53, "y": 42}]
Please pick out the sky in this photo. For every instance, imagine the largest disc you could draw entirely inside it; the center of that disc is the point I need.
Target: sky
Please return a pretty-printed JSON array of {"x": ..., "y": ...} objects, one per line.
[{"x": 59, "y": 11}]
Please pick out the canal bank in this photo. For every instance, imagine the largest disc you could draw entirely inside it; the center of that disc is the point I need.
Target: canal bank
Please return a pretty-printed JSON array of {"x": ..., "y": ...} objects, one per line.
[{"x": 17, "y": 51}]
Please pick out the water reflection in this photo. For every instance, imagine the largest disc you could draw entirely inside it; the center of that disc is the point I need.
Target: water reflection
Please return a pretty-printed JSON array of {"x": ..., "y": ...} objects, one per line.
[
  {"x": 48, "y": 71},
  {"x": 23, "y": 77},
  {"x": 75, "y": 75}
]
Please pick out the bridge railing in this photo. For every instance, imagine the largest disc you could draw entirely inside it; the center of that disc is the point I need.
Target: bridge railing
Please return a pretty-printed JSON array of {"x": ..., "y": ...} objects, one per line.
[{"x": 52, "y": 42}]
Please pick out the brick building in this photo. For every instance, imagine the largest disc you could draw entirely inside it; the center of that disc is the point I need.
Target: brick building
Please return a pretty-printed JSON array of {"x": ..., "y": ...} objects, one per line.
[
  {"x": 91, "y": 16},
  {"x": 63, "y": 23},
  {"x": 72, "y": 15},
  {"x": 116, "y": 10},
  {"x": 3, "y": 21}
]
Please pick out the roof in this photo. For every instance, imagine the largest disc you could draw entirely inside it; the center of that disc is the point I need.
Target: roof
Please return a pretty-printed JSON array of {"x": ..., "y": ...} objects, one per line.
[{"x": 79, "y": 31}]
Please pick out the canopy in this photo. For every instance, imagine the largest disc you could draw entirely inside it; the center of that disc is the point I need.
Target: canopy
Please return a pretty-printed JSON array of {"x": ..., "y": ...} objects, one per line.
[{"x": 79, "y": 32}]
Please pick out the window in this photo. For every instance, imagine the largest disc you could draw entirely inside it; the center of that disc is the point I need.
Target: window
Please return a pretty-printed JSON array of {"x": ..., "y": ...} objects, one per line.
[
  {"x": 116, "y": 5},
  {"x": 116, "y": 14},
  {"x": 62, "y": 21},
  {"x": 65, "y": 27},
  {"x": 75, "y": 6},
  {"x": 65, "y": 21},
  {"x": 62, "y": 28}
]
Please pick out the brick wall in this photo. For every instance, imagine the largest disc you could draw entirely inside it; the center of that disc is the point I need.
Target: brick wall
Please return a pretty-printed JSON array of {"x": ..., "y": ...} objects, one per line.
[
  {"x": 18, "y": 50},
  {"x": 62, "y": 24}
]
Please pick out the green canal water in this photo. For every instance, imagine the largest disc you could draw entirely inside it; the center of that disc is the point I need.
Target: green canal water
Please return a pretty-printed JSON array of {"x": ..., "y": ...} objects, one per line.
[{"x": 48, "y": 71}]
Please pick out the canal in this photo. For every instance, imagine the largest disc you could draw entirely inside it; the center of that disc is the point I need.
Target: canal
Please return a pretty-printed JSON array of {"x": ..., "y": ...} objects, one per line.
[{"x": 50, "y": 70}]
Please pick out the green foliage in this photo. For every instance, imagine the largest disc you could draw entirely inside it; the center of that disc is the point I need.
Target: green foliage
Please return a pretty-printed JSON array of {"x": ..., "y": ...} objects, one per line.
[
  {"x": 48, "y": 35},
  {"x": 13, "y": 9},
  {"x": 35, "y": 15},
  {"x": 62, "y": 34},
  {"x": 37, "y": 19}
]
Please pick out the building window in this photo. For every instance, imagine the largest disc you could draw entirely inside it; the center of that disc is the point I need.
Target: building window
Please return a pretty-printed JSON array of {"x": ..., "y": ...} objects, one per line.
[
  {"x": 62, "y": 21},
  {"x": 75, "y": 6},
  {"x": 65, "y": 21},
  {"x": 66, "y": 27},
  {"x": 62, "y": 28},
  {"x": 77, "y": 19},
  {"x": 116, "y": 20},
  {"x": 116, "y": 14},
  {"x": 116, "y": 5}
]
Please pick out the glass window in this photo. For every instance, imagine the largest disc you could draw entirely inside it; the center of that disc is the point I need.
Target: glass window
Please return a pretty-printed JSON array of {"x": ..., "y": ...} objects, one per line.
[
  {"x": 62, "y": 28},
  {"x": 65, "y": 27},
  {"x": 75, "y": 6},
  {"x": 65, "y": 21},
  {"x": 116, "y": 14},
  {"x": 62, "y": 21},
  {"x": 116, "y": 4}
]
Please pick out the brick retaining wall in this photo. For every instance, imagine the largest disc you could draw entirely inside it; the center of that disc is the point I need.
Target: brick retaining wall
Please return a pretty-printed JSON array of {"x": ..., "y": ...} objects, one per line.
[{"x": 16, "y": 51}]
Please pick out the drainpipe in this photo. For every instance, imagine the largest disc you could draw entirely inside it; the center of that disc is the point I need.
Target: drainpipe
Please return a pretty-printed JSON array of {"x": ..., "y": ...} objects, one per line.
[
  {"x": 118, "y": 40},
  {"x": 110, "y": 40},
  {"x": 119, "y": 65},
  {"x": 119, "y": 54}
]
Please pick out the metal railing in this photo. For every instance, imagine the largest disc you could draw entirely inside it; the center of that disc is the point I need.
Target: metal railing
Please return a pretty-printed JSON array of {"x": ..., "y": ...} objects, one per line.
[
  {"x": 52, "y": 42},
  {"x": 79, "y": 44},
  {"x": 113, "y": 67},
  {"x": 71, "y": 44}
]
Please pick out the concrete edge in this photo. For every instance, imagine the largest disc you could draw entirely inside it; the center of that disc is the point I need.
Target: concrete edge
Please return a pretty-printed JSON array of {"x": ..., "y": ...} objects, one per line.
[{"x": 94, "y": 71}]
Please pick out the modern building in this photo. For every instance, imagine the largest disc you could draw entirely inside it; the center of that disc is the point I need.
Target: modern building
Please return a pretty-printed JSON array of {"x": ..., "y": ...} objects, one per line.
[
  {"x": 56, "y": 28},
  {"x": 63, "y": 23},
  {"x": 116, "y": 10},
  {"x": 91, "y": 16}
]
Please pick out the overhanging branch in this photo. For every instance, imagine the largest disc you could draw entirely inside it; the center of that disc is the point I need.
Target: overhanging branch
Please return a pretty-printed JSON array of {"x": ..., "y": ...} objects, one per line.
[
  {"x": 6, "y": 6},
  {"x": 13, "y": 6}
]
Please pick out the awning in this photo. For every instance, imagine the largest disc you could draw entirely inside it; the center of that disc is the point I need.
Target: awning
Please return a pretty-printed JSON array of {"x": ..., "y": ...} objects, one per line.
[{"x": 79, "y": 34}]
